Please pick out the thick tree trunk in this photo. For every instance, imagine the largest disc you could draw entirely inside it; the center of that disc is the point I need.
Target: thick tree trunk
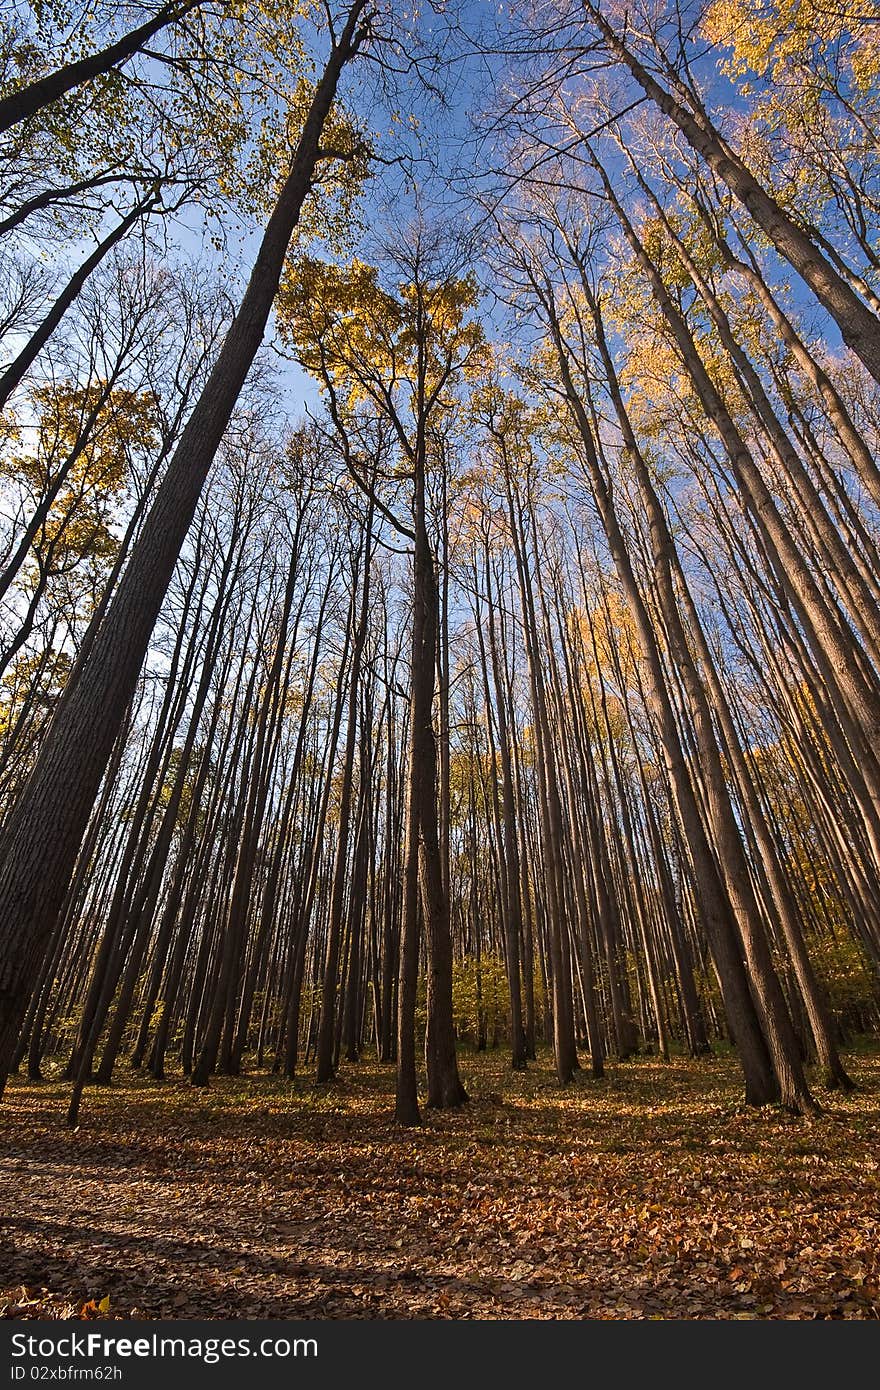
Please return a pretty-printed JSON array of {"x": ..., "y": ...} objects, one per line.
[
  {"x": 44, "y": 830},
  {"x": 444, "y": 1083},
  {"x": 859, "y": 327},
  {"x": 21, "y": 105}
]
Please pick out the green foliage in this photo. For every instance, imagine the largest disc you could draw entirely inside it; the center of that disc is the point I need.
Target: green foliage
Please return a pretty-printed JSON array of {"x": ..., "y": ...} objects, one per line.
[
  {"x": 845, "y": 971},
  {"x": 480, "y": 997}
]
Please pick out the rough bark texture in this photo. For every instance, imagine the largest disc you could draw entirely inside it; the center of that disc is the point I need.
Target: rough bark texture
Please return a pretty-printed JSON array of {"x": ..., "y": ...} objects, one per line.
[{"x": 44, "y": 831}]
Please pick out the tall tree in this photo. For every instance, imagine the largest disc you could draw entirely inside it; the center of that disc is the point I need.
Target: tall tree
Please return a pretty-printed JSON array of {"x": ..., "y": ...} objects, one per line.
[{"x": 42, "y": 835}]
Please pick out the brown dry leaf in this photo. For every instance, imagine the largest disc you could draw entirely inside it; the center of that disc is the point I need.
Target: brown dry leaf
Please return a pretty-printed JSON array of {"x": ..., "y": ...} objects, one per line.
[{"x": 650, "y": 1194}]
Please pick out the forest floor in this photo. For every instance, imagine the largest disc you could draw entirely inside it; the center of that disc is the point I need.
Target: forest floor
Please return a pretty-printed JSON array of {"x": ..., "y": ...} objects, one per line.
[{"x": 651, "y": 1194}]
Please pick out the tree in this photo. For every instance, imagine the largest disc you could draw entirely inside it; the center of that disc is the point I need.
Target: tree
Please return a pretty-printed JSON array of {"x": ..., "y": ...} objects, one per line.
[
  {"x": 42, "y": 835},
  {"x": 400, "y": 354}
]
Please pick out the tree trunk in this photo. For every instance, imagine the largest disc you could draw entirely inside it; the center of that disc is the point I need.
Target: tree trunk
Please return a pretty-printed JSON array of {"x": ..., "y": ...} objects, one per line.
[{"x": 44, "y": 830}]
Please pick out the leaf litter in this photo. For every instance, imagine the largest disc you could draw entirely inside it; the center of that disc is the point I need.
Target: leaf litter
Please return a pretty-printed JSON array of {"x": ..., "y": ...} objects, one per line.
[{"x": 650, "y": 1194}]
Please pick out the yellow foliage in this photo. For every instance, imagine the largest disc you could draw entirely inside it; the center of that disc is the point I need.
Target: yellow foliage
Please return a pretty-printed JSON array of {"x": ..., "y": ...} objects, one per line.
[
  {"x": 812, "y": 72},
  {"x": 399, "y": 348},
  {"x": 769, "y": 38}
]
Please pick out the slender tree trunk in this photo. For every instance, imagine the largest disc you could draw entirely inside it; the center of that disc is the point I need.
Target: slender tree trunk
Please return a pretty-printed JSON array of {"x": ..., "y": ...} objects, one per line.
[
  {"x": 359, "y": 620},
  {"x": 761, "y": 1083},
  {"x": 14, "y": 374}
]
